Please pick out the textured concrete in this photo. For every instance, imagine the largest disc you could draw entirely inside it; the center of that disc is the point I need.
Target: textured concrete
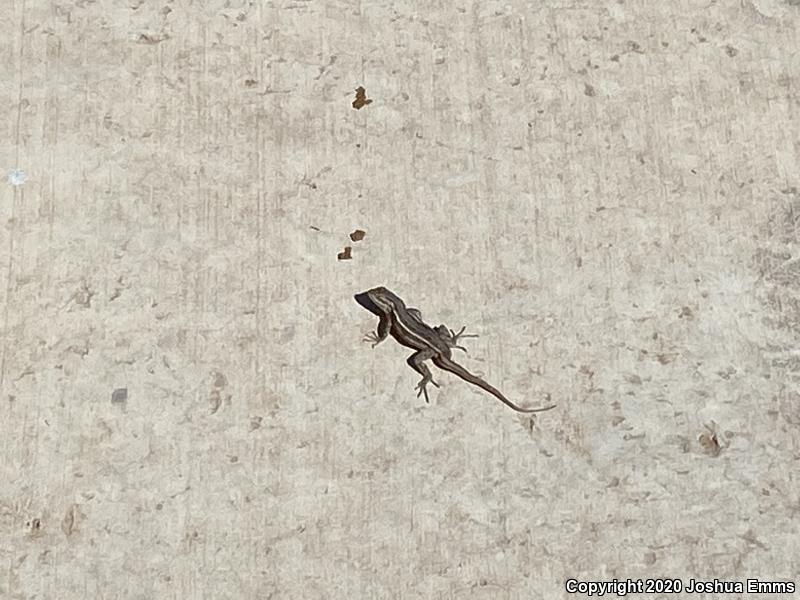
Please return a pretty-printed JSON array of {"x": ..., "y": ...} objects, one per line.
[{"x": 608, "y": 192}]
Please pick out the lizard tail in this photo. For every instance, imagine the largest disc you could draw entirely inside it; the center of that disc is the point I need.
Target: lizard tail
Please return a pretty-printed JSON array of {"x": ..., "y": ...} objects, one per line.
[{"x": 448, "y": 365}]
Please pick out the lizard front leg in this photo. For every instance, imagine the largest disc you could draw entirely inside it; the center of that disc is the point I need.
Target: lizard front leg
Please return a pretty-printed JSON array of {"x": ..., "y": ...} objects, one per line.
[
  {"x": 417, "y": 362},
  {"x": 376, "y": 337}
]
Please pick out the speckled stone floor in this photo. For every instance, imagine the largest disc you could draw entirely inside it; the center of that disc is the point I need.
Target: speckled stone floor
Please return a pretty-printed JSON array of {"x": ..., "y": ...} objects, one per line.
[{"x": 607, "y": 192}]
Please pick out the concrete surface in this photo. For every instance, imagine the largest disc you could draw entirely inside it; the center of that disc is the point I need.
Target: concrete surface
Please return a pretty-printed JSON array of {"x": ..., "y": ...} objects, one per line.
[{"x": 607, "y": 191}]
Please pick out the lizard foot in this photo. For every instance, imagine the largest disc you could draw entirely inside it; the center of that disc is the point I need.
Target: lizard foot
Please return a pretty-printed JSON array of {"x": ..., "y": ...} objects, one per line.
[
  {"x": 421, "y": 386},
  {"x": 461, "y": 334},
  {"x": 372, "y": 338},
  {"x": 451, "y": 337}
]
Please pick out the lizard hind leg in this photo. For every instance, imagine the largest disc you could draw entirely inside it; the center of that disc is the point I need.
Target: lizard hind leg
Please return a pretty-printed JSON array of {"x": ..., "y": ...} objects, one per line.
[{"x": 417, "y": 362}]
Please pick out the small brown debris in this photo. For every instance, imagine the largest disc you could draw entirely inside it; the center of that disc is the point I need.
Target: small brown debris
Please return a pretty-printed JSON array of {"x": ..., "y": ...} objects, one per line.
[
  {"x": 589, "y": 90},
  {"x": 220, "y": 381},
  {"x": 729, "y": 371},
  {"x": 314, "y": 227},
  {"x": 79, "y": 350},
  {"x": 250, "y": 82},
  {"x": 531, "y": 423},
  {"x": 84, "y": 295},
  {"x": 750, "y": 537},
  {"x": 708, "y": 440},
  {"x": 33, "y": 526},
  {"x": 633, "y": 378},
  {"x": 361, "y": 98},
  {"x": 665, "y": 359},
  {"x": 147, "y": 38},
  {"x": 119, "y": 396},
  {"x": 685, "y": 312},
  {"x": 216, "y": 397},
  {"x": 358, "y": 235},
  {"x": 731, "y": 51},
  {"x": 69, "y": 521},
  {"x": 345, "y": 254},
  {"x": 215, "y": 400},
  {"x": 634, "y": 47}
]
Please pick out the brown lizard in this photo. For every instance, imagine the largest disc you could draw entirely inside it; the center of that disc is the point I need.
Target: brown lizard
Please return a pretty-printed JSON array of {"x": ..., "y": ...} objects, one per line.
[{"x": 405, "y": 325}]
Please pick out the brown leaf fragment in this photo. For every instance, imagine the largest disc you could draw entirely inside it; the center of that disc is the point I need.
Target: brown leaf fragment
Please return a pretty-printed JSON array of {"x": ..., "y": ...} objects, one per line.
[
  {"x": 358, "y": 235},
  {"x": 345, "y": 254},
  {"x": 361, "y": 98},
  {"x": 708, "y": 440}
]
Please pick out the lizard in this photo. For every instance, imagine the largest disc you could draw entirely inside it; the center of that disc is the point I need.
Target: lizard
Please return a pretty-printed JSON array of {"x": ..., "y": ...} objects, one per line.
[{"x": 406, "y": 326}]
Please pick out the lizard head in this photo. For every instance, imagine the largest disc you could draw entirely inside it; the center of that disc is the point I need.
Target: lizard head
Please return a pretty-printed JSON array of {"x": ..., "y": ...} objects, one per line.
[
  {"x": 374, "y": 302},
  {"x": 379, "y": 301}
]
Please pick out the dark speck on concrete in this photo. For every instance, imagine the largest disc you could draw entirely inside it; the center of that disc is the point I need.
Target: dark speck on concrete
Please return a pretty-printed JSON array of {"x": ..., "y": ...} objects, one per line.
[{"x": 119, "y": 396}]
